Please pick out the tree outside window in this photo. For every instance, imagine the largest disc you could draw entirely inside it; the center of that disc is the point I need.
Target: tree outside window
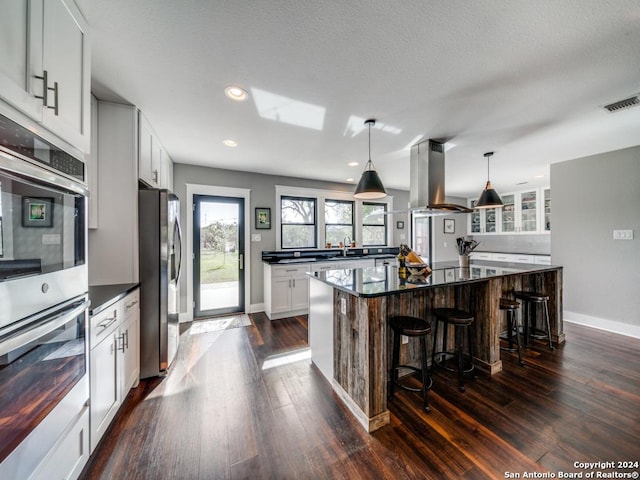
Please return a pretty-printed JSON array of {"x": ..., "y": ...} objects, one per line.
[
  {"x": 338, "y": 220},
  {"x": 298, "y": 223}
]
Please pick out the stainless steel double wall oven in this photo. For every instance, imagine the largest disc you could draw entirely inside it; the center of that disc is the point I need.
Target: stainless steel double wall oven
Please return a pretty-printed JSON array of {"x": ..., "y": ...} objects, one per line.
[{"x": 43, "y": 281}]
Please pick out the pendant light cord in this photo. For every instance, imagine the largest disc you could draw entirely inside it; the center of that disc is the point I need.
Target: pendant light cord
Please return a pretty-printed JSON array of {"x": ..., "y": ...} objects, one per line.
[
  {"x": 488, "y": 155},
  {"x": 370, "y": 163}
]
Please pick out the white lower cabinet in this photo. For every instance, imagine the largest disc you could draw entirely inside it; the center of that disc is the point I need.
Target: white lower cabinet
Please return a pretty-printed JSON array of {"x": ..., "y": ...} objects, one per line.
[
  {"x": 70, "y": 456},
  {"x": 512, "y": 257},
  {"x": 286, "y": 290},
  {"x": 130, "y": 334},
  {"x": 114, "y": 361},
  {"x": 286, "y": 287},
  {"x": 103, "y": 376}
]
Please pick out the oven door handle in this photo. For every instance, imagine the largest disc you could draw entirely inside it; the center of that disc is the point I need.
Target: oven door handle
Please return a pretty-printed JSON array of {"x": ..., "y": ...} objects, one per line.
[{"x": 24, "y": 337}]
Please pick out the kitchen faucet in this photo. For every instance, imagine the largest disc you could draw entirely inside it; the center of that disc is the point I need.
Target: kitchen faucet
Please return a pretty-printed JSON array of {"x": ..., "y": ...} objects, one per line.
[{"x": 346, "y": 244}]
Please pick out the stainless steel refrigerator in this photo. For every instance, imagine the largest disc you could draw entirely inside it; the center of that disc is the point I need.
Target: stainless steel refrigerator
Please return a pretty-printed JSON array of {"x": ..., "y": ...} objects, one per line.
[{"x": 160, "y": 242}]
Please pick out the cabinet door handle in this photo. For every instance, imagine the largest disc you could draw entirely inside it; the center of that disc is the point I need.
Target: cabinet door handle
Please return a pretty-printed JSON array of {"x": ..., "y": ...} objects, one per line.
[
  {"x": 121, "y": 340},
  {"x": 55, "y": 98},
  {"x": 294, "y": 283},
  {"x": 126, "y": 339},
  {"x": 155, "y": 176},
  {"x": 45, "y": 87},
  {"x": 132, "y": 304}
]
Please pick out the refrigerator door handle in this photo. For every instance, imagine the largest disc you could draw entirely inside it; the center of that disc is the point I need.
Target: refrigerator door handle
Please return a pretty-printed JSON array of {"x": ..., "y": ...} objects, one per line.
[{"x": 179, "y": 243}]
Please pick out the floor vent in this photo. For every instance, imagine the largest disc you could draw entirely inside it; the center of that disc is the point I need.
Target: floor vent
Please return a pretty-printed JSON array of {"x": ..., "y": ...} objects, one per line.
[{"x": 623, "y": 104}]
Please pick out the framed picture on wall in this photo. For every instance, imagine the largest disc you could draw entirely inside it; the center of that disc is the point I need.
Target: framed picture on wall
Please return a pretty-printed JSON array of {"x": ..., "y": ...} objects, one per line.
[
  {"x": 449, "y": 225},
  {"x": 37, "y": 212},
  {"x": 263, "y": 218}
]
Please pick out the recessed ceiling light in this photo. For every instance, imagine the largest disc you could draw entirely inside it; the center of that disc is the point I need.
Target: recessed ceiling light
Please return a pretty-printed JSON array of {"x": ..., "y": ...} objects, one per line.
[
  {"x": 349, "y": 179},
  {"x": 353, "y": 164},
  {"x": 539, "y": 176},
  {"x": 230, "y": 143},
  {"x": 236, "y": 93}
]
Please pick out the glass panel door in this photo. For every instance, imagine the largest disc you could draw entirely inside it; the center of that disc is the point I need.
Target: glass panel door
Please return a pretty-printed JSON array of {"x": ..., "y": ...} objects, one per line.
[
  {"x": 490, "y": 222},
  {"x": 547, "y": 210},
  {"x": 529, "y": 211},
  {"x": 508, "y": 213},
  {"x": 475, "y": 218},
  {"x": 219, "y": 255}
]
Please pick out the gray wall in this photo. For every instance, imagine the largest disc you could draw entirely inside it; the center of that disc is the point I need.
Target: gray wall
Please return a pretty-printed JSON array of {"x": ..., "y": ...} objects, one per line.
[
  {"x": 262, "y": 195},
  {"x": 592, "y": 196},
  {"x": 444, "y": 244}
]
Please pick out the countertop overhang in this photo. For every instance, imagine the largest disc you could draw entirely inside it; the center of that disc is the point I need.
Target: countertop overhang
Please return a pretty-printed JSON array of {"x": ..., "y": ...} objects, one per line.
[{"x": 386, "y": 280}]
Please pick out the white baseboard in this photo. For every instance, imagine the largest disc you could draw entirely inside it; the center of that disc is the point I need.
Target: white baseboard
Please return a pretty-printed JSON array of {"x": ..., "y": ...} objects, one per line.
[
  {"x": 602, "y": 324},
  {"x": 256, "y": 307}
]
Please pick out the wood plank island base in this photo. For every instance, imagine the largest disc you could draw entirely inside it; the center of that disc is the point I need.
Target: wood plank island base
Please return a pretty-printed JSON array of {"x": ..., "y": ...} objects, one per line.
[{"x": 350, "y": 340}]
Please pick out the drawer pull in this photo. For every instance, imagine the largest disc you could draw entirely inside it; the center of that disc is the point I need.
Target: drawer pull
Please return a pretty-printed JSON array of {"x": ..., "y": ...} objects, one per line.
[
  {"x": 132, "y": 304},
  {"x": 108, "y": 321}
]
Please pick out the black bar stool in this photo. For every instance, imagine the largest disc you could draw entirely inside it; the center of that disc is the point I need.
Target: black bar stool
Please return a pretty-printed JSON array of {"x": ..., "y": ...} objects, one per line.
[
  {"x": 530, "y": 329},
  {"x": 511, "y": 307},
  {"x": 461, "y": 321},
  {"x": 410, "y": 327}
]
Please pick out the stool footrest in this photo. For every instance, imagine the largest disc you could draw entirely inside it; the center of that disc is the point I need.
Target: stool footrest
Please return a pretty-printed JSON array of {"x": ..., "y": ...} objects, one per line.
[
  {"x": 442, "y": 363},
  {"x": 408, "y": 388}
]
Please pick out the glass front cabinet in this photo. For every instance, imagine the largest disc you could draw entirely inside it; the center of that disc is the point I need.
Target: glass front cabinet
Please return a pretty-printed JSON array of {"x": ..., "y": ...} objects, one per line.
[{"x": 527, "y": 211}]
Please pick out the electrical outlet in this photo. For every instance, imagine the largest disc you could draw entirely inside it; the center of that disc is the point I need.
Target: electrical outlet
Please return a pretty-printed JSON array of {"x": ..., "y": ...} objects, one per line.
[
  {"x": 623, "y": 234},
  {"x": 365, "y": 251},
  {"x": 343, "y": 306},
  {"x": 405, "y": 339},
  {"x": 296, "y": 254}
]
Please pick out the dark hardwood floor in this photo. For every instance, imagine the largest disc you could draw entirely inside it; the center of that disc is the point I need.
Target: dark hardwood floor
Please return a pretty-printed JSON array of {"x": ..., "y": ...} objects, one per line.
[{"x": 220, "y": 415}]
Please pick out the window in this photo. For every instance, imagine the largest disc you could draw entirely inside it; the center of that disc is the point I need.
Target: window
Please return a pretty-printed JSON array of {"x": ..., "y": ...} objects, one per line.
[
  {"x": 298, "y": 223},
  {"x": 374, "y": 223},
  {"x": 338, "y": 221}
]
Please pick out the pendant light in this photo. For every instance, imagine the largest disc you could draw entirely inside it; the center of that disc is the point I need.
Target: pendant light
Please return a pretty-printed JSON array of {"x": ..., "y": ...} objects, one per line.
[
  {"x": 370, "y": 186},
  {"x": 489, "y": 198}
]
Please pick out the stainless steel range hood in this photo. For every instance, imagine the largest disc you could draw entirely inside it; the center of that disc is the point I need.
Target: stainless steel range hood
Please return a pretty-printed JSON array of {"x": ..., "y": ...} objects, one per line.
[{"x": 426, "y": 190}]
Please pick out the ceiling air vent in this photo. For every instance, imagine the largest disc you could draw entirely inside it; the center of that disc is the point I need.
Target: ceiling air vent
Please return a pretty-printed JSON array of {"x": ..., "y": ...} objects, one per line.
[{"x": 623, "y": 104}]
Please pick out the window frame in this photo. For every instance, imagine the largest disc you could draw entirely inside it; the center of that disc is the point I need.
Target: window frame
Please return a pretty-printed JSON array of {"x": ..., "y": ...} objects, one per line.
[
  {"x": 353, "y": 216},
  {"x": 386, "y": 223},
  {"x": 321, "y": 197},
  {"x": 314, "y": 224}
]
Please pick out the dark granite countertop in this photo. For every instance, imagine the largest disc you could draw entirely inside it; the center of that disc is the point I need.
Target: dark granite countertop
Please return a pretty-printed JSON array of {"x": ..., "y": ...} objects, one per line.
[
  {"x": 102, "y": 296},
  {"x": 385, "y": 280},
  {"x": 308, "y": 256}
]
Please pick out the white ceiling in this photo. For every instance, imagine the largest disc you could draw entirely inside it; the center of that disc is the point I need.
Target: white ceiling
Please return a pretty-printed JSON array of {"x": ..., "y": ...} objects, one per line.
[{"x": 524, "y": 78}]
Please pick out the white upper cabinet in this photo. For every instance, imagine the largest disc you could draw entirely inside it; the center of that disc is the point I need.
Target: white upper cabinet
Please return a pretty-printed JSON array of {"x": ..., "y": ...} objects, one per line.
[
  {"x": 45, "y": 66},
  {"x": 155, "y": 167},
  {"x": 527, "y": 211},
  {"x": 16, "y": 60}
]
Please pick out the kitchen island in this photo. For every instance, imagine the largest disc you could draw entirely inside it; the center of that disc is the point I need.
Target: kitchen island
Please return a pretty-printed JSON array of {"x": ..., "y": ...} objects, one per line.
[{"x": 350, "y": 340}]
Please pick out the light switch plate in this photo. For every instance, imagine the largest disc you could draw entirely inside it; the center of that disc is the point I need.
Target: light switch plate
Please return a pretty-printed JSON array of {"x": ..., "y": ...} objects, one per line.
[
  {"x": 343, "y": 306},
  {"x": 623, "y": 234},
  {"x": 256, "y": 237},
  {"x": 405, "y": 339}
]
